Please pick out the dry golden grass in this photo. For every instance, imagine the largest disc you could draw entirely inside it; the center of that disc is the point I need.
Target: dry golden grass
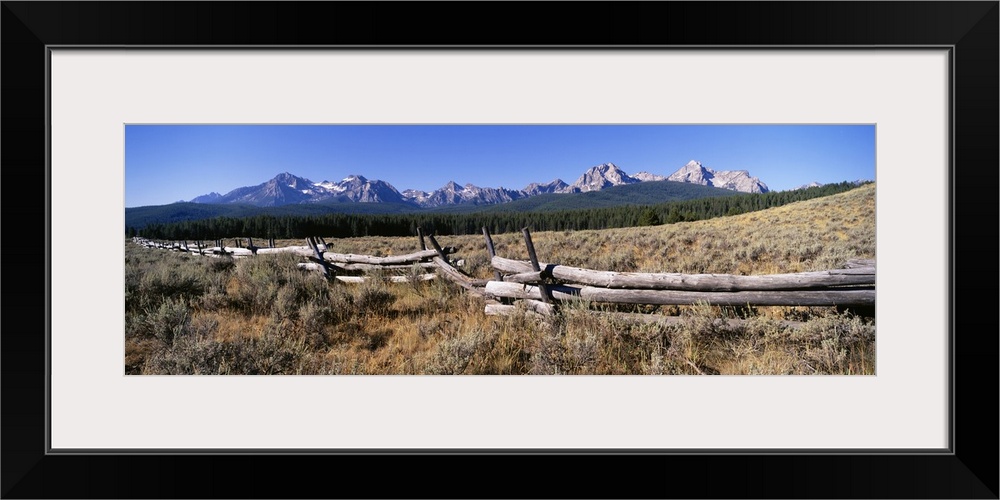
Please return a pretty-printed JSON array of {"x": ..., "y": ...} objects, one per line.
[{"x": 186, "y": 314}]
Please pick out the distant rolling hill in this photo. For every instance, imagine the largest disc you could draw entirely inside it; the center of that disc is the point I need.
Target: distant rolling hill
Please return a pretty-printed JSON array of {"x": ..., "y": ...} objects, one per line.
[{"x": 139, "y": 217}]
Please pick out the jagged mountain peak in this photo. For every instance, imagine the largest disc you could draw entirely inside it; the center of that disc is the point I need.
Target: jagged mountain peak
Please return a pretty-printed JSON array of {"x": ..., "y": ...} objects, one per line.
[
  {"x": 607, "y": 169},
  {"x": 810, "y": 185},
  {"x": 601, "y": 176},
  {"x": 736, "y": 180},
  {"x": 648, "y": 177},
  {"x": 290, "y": 179},
  {"x": 555, "y": 186},
  {"x": 212, "y": 197},
  {"x": 454, "y": 194}
]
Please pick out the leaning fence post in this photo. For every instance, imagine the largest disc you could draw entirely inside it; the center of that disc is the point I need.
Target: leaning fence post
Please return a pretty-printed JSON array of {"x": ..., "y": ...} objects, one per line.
[
  {"x": 542, "y": 288},
  {"x": 437, "y": 248},
  {"x": 492, "y": 252},
  {"x": 319, "y": 257},
  {"x": 420, "y": 236},
  {"x": 252, "y": 248}
]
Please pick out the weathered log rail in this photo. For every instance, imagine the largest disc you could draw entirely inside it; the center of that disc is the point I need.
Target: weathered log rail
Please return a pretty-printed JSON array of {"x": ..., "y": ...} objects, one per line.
[
  {"x": 539, "y": 287},
  {"x": 692, "y": 282},
  {"x": 861, "y": 297}
]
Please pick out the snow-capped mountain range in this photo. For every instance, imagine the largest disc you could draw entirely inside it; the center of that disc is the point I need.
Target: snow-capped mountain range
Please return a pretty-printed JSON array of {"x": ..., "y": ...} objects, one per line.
[{"x": 287, "y": 189}]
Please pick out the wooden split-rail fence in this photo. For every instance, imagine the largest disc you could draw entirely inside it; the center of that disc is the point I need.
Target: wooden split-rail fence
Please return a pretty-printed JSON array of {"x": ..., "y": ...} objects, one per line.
[
  {"x": 339, "y": 266},
  {"x": 540, "y": 288}
]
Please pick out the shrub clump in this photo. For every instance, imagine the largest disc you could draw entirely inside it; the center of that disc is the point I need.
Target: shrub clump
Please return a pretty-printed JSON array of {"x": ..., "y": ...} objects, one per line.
[
  {"x": 273, "y": 281},
  {"x": 459, "y": 354},
  {"x": 374, "y": 297}
]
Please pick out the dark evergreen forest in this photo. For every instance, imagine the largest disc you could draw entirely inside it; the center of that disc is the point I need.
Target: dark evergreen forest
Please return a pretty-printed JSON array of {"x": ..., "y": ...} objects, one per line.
[{"x": 344, "y": 225}]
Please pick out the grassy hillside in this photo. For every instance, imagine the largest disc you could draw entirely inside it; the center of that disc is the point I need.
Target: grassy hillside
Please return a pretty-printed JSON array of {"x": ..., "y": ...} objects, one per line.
[{"x": 189, "y": 314}]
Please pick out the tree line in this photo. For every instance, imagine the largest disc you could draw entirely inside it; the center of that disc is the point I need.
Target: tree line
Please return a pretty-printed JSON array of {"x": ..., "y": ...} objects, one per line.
[{"x": 341, "y": 225}]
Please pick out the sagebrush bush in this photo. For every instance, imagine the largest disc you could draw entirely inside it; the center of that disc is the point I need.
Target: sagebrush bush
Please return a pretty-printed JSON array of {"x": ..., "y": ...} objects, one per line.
[
  {"x": 548, "y": 352},
  {"x": 255, "y": 282},
  {"x": 273, "y": 281},
  {"x": 455, "y": 354},
  {"x": 168, "y": 321},
  {"x": 149, "y": 281},
  {"x": 341, "y": 302},
  {"x": 374, "y": 296},
  {"x": 313, "y": 320},
  {"x": 838, "y": 344},
  {"x": 195, "y": 353}
]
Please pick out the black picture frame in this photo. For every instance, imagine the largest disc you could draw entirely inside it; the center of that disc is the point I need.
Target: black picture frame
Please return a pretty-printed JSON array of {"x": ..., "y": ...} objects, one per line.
[{"x": 968, "y": 470}]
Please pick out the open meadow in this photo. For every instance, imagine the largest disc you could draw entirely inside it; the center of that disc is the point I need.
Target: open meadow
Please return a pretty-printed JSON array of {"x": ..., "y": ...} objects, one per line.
[{"x": 189, "y": 314}]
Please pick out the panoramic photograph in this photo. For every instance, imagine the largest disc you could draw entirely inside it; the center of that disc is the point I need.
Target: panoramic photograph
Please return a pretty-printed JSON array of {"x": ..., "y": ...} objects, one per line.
[{"x": 499, "y": 250}]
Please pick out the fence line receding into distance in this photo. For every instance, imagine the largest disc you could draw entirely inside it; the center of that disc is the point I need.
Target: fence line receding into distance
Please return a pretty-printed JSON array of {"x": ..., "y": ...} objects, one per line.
[{"x": 540, "y": 288}]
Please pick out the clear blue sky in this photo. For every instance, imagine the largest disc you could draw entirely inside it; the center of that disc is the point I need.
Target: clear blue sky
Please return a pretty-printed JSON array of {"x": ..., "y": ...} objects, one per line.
[{"x": 168, "y": 163}]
